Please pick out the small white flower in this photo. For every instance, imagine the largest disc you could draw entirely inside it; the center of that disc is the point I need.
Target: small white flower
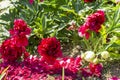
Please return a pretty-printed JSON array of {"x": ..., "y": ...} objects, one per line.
[
  {"x": 105, "y": 54},
  {"x": 89, "y": 56}
]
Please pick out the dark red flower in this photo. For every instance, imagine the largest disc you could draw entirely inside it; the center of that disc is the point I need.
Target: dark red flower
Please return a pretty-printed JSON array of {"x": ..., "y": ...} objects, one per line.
[
  {"x": 96, "y": 69},
  {"x": 10, "y": 51},
  {"x": 94, "y": 21},
  {"x": 20, "y": 40},
  {"x": 88, "y": 0},
  {"x": 50, "y": 49},
  {"x": 20, "y": 27}
]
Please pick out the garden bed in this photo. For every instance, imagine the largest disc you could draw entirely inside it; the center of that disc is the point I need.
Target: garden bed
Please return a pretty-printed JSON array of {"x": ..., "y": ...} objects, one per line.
[{"x": 60, "y": 40}]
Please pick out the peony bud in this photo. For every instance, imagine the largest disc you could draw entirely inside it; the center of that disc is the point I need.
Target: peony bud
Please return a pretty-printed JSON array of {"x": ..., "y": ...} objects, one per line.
[
  {"x": 95, "y": 61},
  {"x": 105, "y": 54},
  {"x": 89, "y": 56}
]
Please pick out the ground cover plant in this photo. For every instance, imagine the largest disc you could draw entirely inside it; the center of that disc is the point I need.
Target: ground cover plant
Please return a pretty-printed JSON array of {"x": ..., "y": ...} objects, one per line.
[{"x": 59, "y": 39}]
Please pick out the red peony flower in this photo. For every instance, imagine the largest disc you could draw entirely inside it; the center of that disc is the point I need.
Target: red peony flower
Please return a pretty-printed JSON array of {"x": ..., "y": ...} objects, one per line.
[
  {"x": 20, "y": 40},
  {"x": 12, "y": 48},
  {"x": 94, "y": 21},
  {"x": 20, "y": 27},
  {"x": 10, "y": 51},
  {"x": 88, "y": 0},
  {"x": 96, "y": 69},
  {"x": 49, "y": 49}
]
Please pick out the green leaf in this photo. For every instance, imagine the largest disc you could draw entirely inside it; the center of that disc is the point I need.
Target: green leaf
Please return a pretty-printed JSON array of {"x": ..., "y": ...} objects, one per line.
[
  {"x": 115, "y": 45},
  {"x": 103, "y": 33},
  {"x": 44, "y": 23},
  {"x": 116, "y": 15},
  {"x": 115, "y": 55},
  {"x": 2, "y": 75}
]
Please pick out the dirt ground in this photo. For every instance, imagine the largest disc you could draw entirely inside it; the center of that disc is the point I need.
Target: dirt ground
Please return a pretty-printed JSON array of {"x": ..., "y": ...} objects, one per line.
[
  {"x": 112, "y": 69},
  {"x": 109, "y": 70}
]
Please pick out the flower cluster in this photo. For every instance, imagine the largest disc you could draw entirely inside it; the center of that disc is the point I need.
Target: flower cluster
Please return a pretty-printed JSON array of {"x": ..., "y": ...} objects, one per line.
[
  {"x": 34, "y": 68},
  {"x": 10, "y": 51},
  {"x": 93, "y": 23},
  {"x": 12, "y": 48},
  {"x": 51, "y": 61}
]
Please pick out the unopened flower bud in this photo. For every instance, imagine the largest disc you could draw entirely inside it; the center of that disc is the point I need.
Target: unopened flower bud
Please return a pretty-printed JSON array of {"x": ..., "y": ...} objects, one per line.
[
  {"x": 89, "y": 56},
  {"x": 105, "y": 54},
  {"x": 95, "y": 61}
]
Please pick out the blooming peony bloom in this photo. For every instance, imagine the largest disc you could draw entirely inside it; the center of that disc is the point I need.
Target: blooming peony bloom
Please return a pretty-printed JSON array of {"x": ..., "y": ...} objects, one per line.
[
  {"x": 10, "y": 50},
  {"x": 13, "y": 48},
  {"x": 96, "y": 69},
  {"x": 20, "y": 40},
  {"x": 94, "y": 21},
  {"x": 50, "y": 49},
  {"x": 92, "y": 70},
  {"x": 20, "y": 28}
]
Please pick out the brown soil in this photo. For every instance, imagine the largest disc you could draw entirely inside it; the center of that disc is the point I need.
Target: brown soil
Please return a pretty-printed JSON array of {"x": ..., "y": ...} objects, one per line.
[{"x": 110, "y": 69}]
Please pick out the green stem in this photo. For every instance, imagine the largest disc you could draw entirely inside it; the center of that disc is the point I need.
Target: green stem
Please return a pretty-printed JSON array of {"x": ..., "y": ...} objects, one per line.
[
  {"x": 97, "y": 44},
  {"x": 87, "y": 44}
]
